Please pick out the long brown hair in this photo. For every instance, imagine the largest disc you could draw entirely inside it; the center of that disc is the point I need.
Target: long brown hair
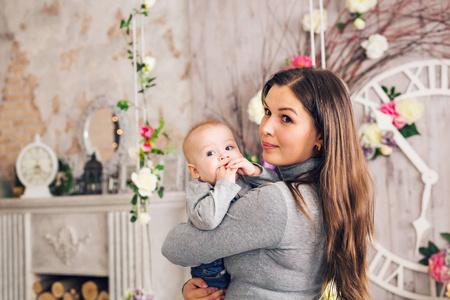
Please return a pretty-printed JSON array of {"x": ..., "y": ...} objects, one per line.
[{"x": 343, "y": 182}]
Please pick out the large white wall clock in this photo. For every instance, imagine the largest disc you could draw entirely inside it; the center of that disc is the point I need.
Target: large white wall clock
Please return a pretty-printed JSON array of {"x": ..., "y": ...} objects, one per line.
[
  {"x": 420, "y": 79},
  {"x": 36, "y": 167}
]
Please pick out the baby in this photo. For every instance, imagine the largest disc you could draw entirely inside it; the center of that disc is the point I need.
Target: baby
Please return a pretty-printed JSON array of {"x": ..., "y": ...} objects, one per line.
[{"x": 215, "y": 161}]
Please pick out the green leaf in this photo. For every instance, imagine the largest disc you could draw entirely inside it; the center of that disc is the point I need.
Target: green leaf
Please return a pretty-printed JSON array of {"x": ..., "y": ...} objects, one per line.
[
  {"x": 134, "y": 199},
  {"x": 133, "y": 219},
  {"x": 424, "y": 261},
  {"x": 433, "y": 248},
  {"x": 157, "y": 151},
  {"x": 139, "y": 66},
  {"x": 385, "y": 89},
  {"x": 123, "y": 24},
  {"x": 151, "y": 79},
  {"x": 161, "y": 192},
  {"x": 159, "y": 167},
  {"x": 393, "y": 90},
  {"x": 123, "y": 105},
  {"x": 397, "y": 94},
  {"x": 340, "y": 25},
  {"x": 446, "y": 236},
  {"x": 409, "y": 130},
  {"x": 425, "y": 252}
]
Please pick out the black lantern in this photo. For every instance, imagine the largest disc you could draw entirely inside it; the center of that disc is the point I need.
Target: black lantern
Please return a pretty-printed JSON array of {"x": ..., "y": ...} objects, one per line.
[{"x": 93, "y": 176}]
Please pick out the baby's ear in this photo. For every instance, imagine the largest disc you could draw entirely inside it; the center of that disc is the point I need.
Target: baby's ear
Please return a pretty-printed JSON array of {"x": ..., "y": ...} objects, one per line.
[{"x": 193, "y": 170}]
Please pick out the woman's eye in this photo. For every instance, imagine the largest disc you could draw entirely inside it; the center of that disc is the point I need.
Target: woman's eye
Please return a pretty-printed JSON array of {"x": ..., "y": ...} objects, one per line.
[
  {"x": 209, "y": 153},
  {"x": 228, "y": 148},
  {"x": 286, "y": 119},
  {"x": 267, "y": 112}
]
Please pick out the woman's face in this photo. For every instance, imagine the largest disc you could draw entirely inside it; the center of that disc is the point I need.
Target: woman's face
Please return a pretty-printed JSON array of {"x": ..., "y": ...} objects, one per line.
[{"x": 287, "y": 131}]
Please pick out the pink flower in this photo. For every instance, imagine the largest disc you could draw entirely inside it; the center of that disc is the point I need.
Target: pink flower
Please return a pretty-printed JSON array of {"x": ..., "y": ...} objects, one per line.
[
  {"x": 389, "y": 109},
  {"x": 437, "y": 268},
  {"x": 146, "y": 147},
  {"x": 146, "y": 131},
  {"x": 399, "y": 122},
  {"x": 299, "y": 62}
]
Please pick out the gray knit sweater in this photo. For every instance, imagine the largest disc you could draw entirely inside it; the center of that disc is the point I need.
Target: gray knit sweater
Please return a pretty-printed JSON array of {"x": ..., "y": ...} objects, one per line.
[{"x": 270, "y": 248}]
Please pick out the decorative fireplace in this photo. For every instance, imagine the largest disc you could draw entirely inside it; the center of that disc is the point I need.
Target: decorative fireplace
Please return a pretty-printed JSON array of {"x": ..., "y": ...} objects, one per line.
[{"x": 87, "y": 237}]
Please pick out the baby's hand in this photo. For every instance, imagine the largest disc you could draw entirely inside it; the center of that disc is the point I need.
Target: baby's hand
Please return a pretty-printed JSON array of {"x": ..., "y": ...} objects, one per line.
[
  {"x": 244, "y": 167},
  {"x": 226, "y": 173}
]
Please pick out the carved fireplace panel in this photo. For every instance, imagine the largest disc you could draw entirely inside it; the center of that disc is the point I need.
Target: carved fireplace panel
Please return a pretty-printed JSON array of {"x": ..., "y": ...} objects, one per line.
[{"x": 75, "y": 244}]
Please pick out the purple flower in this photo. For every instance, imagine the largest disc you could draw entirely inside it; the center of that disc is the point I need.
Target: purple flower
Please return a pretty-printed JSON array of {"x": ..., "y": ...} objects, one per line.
[
  {"x": 388, "y": 139},
  {"x": 368, "y": 150}
]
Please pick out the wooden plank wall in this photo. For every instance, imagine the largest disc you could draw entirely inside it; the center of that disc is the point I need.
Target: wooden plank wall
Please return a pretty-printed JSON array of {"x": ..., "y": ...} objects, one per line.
[{"x": 236, "y": 45}]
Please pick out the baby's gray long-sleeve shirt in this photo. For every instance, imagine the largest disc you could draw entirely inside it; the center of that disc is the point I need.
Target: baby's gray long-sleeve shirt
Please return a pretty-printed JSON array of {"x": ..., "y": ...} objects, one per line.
[
  {"x": 271, "y": 250},
  {"x": 207, "y": 205}
]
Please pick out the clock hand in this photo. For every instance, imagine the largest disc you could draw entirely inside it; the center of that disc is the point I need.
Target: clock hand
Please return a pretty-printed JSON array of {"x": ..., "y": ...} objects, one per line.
[{"x": 429, "y": 176}]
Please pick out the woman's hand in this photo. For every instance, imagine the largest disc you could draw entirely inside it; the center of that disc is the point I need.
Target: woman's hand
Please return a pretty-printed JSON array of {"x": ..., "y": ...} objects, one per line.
[
  {"x": 244, "y": 167},
  {"x": 197, "y": 289}
]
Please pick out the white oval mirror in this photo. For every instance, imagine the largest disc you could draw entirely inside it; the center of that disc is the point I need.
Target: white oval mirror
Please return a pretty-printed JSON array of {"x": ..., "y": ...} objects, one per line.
[{"x": 101, "y": 131}]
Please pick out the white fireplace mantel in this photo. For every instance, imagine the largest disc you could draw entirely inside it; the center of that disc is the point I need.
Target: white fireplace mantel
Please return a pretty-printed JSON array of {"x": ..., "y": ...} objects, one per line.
[{"x": 88, "y": 235}]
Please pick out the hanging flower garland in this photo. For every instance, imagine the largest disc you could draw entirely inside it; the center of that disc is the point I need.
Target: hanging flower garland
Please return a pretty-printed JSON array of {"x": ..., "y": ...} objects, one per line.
[{"x": 148, "y": 179}]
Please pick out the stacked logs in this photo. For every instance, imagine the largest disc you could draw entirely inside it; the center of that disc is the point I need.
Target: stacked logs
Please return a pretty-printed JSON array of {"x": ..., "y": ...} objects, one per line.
[{"x": 69, "y": 289}]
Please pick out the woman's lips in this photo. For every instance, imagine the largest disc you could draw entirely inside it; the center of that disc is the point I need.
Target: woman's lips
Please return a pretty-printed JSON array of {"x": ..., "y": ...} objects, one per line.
[{"x": 268, "y": 146}]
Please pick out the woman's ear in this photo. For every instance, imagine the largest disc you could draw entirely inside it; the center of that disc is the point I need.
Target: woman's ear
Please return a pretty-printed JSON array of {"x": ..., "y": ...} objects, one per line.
[
  {"x": 193, "y": 170},
  {"x": 319, "y": 144}
]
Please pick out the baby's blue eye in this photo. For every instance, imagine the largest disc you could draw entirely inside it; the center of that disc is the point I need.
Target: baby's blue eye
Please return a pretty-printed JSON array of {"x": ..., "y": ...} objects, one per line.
[
  {"x": 267, "y": 112},
  {"x": 228, "y": 148},
  {"x": 209, "y": 153}
]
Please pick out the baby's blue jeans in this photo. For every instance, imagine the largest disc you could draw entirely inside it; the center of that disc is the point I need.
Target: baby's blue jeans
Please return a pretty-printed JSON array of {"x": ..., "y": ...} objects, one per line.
[{"x": 214, "y": 274}]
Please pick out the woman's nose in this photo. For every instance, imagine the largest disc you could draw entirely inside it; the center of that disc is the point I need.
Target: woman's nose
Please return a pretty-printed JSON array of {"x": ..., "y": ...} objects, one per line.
[{"x": 266, "y": 127}]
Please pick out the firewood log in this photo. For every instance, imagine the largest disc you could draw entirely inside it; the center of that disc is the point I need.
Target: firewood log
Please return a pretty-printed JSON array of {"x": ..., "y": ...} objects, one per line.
[
  {"x": 103, "y": 296},
  {"x": 42, "y": 286},
  {"x": 58, "y": 289},
  {"x": 46, "y": 296},
  {"x": 89, "y": 290},
  {"x": 68, "y": 296}
]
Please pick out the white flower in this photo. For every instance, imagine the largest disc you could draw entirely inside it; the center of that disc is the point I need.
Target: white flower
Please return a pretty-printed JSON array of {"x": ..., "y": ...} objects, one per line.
[
  {"x": 359, "y": 24},
  {"x": 148, "y": 4},
  {"x": 360, "y": 6},
  {"x": 409, "y": 109},
  {"x": 144, "y": 218},
  {"x": 255, "y": 109},
  {"x": 133, "y": 153},
  {"x": 145, "y": 181},
  {"x": 150, "y": 63},
  {"x": 306, "y": 21},
  {"x": 375, "y": 46}
]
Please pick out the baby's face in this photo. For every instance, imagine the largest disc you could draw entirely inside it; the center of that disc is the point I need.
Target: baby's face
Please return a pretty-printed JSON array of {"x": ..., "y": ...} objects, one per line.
[{"x": 210, "y": 148}]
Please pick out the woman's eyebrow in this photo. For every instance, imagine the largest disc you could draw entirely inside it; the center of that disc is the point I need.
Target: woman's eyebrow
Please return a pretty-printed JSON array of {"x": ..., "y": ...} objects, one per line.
[{"x": 287, "y": 108}]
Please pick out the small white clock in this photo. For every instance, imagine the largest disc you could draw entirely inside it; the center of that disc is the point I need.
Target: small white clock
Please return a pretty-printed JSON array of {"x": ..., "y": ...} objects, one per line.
[{"x": 36, "y": 167}]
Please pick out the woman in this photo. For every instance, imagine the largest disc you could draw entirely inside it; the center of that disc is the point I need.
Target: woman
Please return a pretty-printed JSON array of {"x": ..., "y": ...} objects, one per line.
[{"x": 290, "y": 239}]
